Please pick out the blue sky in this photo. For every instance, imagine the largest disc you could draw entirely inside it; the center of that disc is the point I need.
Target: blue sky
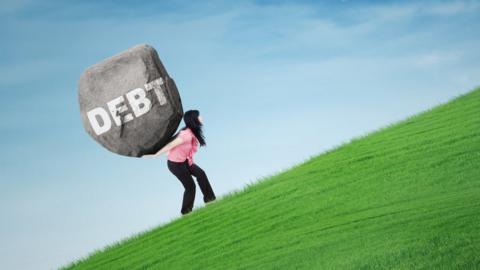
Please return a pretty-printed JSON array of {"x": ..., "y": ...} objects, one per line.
[{"x": 275, "y": 81}]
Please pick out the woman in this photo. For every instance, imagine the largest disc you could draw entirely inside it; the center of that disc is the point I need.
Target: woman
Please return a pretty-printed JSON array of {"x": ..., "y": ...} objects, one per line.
[{"x": 180, "y": 160}]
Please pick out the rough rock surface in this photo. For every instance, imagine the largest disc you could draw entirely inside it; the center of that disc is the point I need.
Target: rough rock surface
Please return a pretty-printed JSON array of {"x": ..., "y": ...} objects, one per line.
[{"x": 128, "y": 102}]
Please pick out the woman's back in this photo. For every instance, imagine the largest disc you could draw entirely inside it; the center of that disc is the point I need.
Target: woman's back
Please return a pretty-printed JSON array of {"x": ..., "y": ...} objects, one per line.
[{"x": 186, "y": 149}]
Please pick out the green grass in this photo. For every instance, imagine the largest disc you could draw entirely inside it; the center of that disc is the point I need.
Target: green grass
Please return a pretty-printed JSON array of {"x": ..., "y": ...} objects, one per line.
[{"x": 406, "y": 196}]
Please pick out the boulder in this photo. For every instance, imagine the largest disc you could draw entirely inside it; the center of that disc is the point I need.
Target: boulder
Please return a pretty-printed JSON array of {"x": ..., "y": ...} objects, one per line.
[{"x": 128, "y": 102}]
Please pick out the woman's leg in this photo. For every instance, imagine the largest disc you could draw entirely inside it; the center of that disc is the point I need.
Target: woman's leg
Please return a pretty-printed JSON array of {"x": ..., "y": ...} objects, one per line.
[
  {"x": 180, "y": 170},
  {"x": 208, "y": 194}
]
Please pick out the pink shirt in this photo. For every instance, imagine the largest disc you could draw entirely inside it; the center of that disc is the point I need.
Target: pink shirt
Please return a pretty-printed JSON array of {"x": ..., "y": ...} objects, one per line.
[{"x": 186, "y": 149}]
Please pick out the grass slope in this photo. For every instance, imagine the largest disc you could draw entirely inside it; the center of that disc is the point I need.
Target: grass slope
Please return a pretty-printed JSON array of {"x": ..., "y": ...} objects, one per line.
[{"x": 405, "y": 196}]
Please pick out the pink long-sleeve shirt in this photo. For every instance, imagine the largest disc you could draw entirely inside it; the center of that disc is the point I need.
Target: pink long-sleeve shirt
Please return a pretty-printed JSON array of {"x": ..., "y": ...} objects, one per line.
[{"x": 186, "y": 149}]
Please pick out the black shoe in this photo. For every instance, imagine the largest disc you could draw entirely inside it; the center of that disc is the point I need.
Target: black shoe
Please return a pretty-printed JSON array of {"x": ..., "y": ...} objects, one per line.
[
  {"x": 186, "y": 212},
  {"x": 210, "y": 200}
]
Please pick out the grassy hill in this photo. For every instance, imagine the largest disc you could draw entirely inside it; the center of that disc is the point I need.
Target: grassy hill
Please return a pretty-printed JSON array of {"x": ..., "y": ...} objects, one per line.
[{"x": 403, "y": 197}]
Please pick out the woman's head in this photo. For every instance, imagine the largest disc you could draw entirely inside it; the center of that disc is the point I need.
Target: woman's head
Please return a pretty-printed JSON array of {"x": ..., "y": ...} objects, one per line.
[{"x": 194, "y": 121}]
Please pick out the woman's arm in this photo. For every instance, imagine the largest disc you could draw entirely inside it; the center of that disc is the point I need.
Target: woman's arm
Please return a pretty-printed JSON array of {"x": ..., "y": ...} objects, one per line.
[{"x": 178, "y": 140}]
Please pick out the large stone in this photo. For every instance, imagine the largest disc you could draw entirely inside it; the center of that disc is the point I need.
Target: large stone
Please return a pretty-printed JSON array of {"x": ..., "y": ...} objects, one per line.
[{"x": 128, "y": 102}]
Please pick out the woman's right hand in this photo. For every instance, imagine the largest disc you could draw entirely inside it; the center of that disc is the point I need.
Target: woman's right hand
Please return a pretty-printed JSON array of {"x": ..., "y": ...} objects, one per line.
[{"x": 167, "y": 147}]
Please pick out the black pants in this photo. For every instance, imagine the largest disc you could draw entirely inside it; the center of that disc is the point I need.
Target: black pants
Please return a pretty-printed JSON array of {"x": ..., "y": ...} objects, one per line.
[{"x": 183, "y": 171}]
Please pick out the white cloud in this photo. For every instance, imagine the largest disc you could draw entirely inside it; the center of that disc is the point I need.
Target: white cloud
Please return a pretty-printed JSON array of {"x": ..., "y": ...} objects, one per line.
[
  {"x": 451, "y": 8},
  {"x": 437, "y": 57},
  {"x": 11, "y": 6},
  {"x": 403, "y": 11}
]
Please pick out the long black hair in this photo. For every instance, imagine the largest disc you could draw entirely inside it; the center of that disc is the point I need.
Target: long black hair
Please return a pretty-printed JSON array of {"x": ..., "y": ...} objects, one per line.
[{"x": 191, "y": 121}]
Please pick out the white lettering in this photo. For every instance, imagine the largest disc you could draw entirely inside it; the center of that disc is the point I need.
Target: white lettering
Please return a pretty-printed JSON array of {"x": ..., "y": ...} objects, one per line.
[
  {"x": 116, "y": 111},
  {"x": 102, "y": 113},
  {"x": 137, "y": 97},
  {"x": 156, "y": 85}
]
